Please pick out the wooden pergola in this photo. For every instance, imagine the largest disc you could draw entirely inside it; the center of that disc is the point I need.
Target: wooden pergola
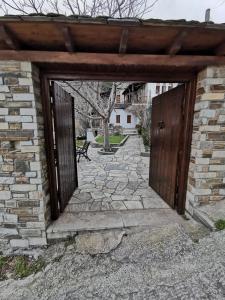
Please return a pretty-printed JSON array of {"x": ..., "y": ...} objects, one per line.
[
  {"x": 61, "y": 44},
  {"x": 83, "y": 48}
]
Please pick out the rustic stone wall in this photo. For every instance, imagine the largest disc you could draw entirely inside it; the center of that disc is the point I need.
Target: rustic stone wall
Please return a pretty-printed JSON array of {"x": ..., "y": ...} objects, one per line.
[
  {"x": 206, "y": 182},
  {"x": 23, "y": 175}
]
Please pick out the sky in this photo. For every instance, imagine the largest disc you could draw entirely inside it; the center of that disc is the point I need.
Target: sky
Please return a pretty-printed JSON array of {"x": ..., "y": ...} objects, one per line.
[
  {"x": 180, "y": 9},
  {"x": 189, "y": 10}
]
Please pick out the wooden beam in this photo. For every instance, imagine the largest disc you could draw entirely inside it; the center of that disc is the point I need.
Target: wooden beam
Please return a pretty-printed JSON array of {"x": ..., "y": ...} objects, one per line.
[
  {"x": 61, "y": 74},
  {"x": 9, "y": 38},
  {"x": 176, "y": 45},
  {"x": 107, "y": 59},
  {"x": 220, "y": 50},
  {"x": 123, "y": 41},
  {"x": 69, "y": 43}
]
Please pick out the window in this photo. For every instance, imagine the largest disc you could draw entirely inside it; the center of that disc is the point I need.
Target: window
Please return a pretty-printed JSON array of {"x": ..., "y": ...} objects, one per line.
[
  {"x": 117, "y": 99},
  {"x": 117, "y": 118},
  {"x": 128, "y": 98},
  {"x": 163, "y": 88},
  {"x": 128, "y": 119},
  {"x": 157, "y": 89}
]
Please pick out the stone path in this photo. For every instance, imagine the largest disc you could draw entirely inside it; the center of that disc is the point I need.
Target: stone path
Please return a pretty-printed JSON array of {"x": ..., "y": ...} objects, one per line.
[{"x": 117, "y": 182}]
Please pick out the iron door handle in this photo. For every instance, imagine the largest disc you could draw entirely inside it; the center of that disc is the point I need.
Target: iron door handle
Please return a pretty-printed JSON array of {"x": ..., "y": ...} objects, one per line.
[{"x": 161, "y": 124}]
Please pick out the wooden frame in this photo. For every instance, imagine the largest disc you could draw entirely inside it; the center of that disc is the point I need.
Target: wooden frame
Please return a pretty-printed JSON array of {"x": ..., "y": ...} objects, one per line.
[
  {"x": 184, "y": 158},
  {"x": 185, "y": 145}
]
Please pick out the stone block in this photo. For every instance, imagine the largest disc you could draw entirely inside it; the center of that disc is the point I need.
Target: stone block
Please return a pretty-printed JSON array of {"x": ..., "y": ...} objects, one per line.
[
  {"x": 28, "y": 232},
  {"x": 7, "y": 180},
  {"x": 10, "y": 218},
  {"x": 212, "y": 96},
  {"x": 4, "y": 89},
  {"x": 19, "y": 243},
  {"x": 26, "y": 66},
  {"x": 23, "y": 97},
  {"x": 218, "y": 154},
  {"x": 23, "y": 187},
  {"x": 2, "y": 97},
  {"x": 5, "y": 195},
  {"x": 35, "y": 166},
  {"x": 25, "y": 81},
  {"x": 208, "y": 113},
  {"x": 36, "y": 195},
  {"x": 27, "y": 112},
  {"x": 4, "y": 112},
  {"x": 217, "y": 167},
  {"x": 29, "y": 126},
  {"x": 37, "y": 241},
  {"x": 6, "y": 232},
  {"x": 202, "y": 161},
  {"x": 4, "y": 125},
  {"x": 31, "y": 174},
  {"x": 21, "y": 166}
]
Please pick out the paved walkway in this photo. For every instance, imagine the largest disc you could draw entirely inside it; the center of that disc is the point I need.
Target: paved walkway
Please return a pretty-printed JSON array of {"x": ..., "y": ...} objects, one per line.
[{"x": 117, "y": 182}]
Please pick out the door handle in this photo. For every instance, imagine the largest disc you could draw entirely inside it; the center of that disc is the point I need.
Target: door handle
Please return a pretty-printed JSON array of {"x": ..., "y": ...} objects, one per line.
[{"x": 161, "y": 124}]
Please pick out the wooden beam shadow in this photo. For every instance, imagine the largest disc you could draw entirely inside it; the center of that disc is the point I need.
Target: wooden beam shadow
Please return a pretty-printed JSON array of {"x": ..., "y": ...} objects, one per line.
[
  {"x": 123, "y": 41},
  {"x": 177, "y": 43},
  {"x": 9, "y": 38}
]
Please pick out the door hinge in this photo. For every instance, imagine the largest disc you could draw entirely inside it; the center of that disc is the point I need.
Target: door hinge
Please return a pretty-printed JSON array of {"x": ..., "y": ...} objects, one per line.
[{"x": 51, "y": 89}]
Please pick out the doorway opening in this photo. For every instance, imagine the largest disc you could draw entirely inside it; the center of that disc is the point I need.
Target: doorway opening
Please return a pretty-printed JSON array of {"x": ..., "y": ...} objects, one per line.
[{"x": 123, "y": 182}]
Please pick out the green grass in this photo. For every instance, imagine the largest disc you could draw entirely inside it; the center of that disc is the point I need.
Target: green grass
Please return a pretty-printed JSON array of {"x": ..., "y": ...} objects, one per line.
[
  {"x": 24, "y": 267},
  {"x": 3, "y": 261},
  {"x": 79, "y": 143},
  {"x": 113, "y": 139},
  {"x": 220, "y": 224}
]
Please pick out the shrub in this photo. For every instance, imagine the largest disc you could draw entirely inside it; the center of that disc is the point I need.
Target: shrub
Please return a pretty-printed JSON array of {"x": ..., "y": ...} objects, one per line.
[
  {"x": 139, "y": 129},
  {"x": 145, "y": 136},
  {"x": 220, "y": 224}
]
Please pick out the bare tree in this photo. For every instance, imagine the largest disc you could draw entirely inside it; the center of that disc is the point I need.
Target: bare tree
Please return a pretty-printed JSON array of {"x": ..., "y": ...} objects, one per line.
[
  {"x": 93, "y": 8},
  {"x": 89, "y": 92},
  {"x": 98, "y": 102}
]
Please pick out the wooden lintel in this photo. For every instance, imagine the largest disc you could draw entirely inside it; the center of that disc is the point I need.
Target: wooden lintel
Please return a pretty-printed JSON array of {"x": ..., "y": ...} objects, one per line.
[
  {"x": 123, "y": 41},
  {"x": 220, "y": 50},
  {"x": 69, "y": 43},
  {"x": 9, "y": 38},
  {"x": 176, "y": 45},
  {"x": 107, "y": 59}
]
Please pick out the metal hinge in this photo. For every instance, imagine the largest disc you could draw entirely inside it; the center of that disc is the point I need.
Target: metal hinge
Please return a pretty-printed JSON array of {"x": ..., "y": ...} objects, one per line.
[{"x": 51, "y": 89}]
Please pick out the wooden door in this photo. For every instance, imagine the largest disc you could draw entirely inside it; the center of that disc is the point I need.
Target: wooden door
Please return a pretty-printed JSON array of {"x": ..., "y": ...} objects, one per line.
[
  {"x": 166, "y": 130},
  {"x": 65, "y": 148}
]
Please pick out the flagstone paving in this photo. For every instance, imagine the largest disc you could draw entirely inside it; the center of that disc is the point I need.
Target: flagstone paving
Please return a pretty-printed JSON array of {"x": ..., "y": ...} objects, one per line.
[{"x": 115, "y": 182}]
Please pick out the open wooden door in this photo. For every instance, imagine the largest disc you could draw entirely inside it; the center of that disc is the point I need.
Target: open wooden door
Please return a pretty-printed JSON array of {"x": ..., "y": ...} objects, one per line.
[
  {"x": 166, "y": 143},
  {"x": 64, "y": 144}
]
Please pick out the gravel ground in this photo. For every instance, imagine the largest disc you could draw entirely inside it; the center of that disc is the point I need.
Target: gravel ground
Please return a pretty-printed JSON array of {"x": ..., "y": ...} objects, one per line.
[{"x": 164, "y": 263}]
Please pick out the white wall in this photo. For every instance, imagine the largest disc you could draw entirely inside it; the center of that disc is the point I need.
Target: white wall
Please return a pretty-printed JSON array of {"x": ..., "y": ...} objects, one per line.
[{"x": 123, "y": 118}]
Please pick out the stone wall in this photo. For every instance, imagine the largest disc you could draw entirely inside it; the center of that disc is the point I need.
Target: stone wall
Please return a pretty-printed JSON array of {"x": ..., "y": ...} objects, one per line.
[
  {"x": 23, "y": 175},
  {"x": 206, "y": 183}
]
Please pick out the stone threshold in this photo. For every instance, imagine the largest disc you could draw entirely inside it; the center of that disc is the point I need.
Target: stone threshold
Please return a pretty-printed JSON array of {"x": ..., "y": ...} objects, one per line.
[{"x": 69, "y": 224}]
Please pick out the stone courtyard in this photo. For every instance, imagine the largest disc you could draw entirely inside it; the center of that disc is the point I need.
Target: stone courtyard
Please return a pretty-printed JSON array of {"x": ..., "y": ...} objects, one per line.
[{"x": 115, "y": 182}]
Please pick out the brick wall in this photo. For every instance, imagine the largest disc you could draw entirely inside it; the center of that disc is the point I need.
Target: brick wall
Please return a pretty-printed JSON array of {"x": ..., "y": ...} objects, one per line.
[
  {"x": 23, "y": 174},
  {"x": 206, "y": 182}
]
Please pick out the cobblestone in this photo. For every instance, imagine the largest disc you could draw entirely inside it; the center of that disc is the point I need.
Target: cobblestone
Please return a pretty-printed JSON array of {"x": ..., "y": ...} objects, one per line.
[{"x": 118, "y": 182}]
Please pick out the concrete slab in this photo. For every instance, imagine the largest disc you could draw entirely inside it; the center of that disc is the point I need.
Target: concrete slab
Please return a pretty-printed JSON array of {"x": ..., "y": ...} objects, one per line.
[{"x": 68, "y": 223}]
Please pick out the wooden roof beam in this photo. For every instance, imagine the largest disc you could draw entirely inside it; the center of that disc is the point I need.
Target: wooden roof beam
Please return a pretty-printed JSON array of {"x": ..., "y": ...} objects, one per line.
[
  {"x": 123, "y": 41},
  {"x": 220, "y": 50},
  {"x": 108, "y": 59},
  {"x": 177, "y": 43},
  {"x": 9, "y": 38},
  {"x": 69, "y": 43}
]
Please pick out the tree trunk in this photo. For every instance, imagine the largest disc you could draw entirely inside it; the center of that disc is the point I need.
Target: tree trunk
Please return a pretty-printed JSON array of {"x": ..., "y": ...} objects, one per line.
[{"x": 106, "y": 135}]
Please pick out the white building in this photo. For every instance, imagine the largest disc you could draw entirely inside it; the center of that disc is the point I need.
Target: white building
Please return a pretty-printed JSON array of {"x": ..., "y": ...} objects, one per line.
[{"x": 130, "y": 100}]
